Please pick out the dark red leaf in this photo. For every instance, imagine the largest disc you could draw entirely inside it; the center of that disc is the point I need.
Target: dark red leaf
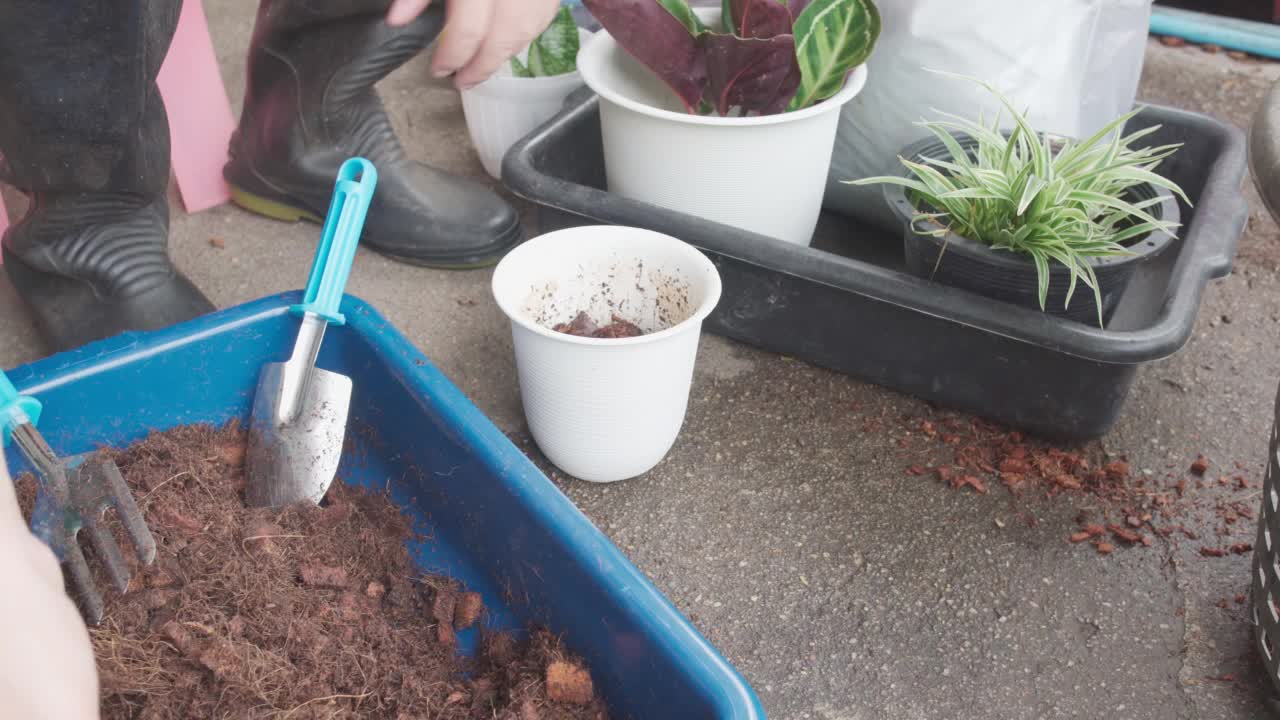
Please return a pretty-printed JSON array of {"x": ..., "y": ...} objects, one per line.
[
  {"x": 652, "y": 35},
  {"x": 760, "y": 18},
  {"x": 758, "y": 76}
]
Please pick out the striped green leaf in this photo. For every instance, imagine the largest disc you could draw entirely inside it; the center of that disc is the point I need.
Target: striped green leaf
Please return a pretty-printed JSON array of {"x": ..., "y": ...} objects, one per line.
[
  {"x": 519, "y": 70},
  {"x": 555, "y": 51},
  {"x": 832, "y": 38}
]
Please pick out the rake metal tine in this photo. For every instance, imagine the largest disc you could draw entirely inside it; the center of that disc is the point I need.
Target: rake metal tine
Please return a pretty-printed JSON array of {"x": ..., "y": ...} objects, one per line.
[
  {"x": 108, "y": 551},
  {"x": 90, "y": 600},
  {"x": 144, "y": 544}
]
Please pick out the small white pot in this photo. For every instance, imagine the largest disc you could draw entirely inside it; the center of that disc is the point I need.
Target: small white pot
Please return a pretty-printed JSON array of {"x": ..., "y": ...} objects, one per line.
[
  {"x": 606, "y": 410},
  {"x": 765, "y": 174},
  {"x": 505, "y": 108}
]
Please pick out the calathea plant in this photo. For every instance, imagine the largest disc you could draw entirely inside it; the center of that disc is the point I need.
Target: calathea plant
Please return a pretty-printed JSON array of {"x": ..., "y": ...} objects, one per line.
[
  {"x": 765, "y": 57},
  {"x": 554, "y": 52}
]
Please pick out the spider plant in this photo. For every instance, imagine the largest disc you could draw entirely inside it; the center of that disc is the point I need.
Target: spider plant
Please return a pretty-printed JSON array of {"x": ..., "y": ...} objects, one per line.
[{"x": 1051, "y": 199}]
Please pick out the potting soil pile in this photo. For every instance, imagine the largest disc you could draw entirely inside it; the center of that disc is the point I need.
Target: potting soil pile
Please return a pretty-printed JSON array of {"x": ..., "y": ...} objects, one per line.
[
  {"x": 310, "y": 612},
  {"x": 583, "y": 326}
]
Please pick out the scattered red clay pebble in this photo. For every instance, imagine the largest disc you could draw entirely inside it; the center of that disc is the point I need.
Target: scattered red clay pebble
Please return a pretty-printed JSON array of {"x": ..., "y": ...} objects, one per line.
[
  {"x": 1117, "y": 470},
  {"x": 1200, "y": 466},
  {"x": 1241, "y": 548},
  {"x": 1105, "y": 548},
  {"x": 1081, "y": 536},
  {"x": 1125, "y": 534},
  {"x": 1213, "y": 552},
  {"x": 1094, "y": 529},
  {"x": 217, "y": 242},
  {"x": 1068, "y": 482},
  {"x": 1172, "y": 41},
  {"x": 916, "y": 470},
  {"x": 1223, "y": 603},
  {"x": 1225, "y": 677},
  {"x": 1241, "y": 599},
  {"x": 974, "y": 483}
]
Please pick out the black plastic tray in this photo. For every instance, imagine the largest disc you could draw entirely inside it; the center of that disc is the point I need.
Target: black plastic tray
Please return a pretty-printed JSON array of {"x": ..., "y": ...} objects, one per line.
[{"x": 847, "y": 303}]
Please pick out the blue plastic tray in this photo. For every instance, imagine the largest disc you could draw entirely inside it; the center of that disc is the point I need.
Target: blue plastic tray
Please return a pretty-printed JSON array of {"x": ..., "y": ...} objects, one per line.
[{"x": 494, "y": 520}]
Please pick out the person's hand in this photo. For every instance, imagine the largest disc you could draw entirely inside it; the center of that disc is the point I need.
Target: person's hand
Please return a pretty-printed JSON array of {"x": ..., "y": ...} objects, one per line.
[
  {"x": 46, "y": 659},
  {"x": 479, "y": 35}
]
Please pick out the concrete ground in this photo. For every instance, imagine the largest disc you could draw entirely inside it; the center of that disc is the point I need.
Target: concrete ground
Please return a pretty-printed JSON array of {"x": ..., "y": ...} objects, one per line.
[{"x": 841, "y": 586}]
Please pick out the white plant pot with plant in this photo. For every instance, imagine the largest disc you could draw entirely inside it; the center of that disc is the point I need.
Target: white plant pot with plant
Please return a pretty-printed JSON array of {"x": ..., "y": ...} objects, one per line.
[
  {"x": 604, "y": 404},
  {"x": 729, "y": 114},
  {"x": 1044, "y": 222},
  {"x": 524, "y": 93}
]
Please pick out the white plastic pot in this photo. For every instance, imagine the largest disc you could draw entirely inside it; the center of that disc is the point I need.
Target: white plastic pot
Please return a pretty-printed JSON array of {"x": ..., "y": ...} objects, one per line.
[
  {"x": 506, "y": 108},
  {"x": 765, "y": 174},
  {"x": 606, "y": 410}
]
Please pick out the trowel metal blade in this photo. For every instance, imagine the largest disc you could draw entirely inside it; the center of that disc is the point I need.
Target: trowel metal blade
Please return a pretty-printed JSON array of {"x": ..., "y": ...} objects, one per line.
[{"x": 289, "y": 461}]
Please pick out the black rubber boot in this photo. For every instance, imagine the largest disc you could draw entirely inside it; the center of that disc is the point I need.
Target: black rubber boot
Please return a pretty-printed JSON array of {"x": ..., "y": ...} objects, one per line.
[
  {"x": 310, "y": 104},
  {"x": 83, "y": 132}
]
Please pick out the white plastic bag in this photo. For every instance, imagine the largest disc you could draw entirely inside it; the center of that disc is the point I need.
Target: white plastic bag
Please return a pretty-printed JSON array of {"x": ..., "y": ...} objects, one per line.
[{"x": 1074, "y": 64}]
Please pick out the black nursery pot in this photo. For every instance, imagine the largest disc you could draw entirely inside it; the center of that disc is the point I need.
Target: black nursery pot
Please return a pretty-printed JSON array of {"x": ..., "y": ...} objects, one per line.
[{"x": 1011, "y": 277}]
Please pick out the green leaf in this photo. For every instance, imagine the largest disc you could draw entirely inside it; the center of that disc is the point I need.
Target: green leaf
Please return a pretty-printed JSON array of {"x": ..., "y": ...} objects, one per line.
[
  {"x": 685, "y": 14},
  {"x": 519, "y": 70},
  {"x": 535, "y": 60},
  {"x": 832, "y": 38},
  {"x": 556, "y": 49},
  {"x": 1042, "y": 276}
]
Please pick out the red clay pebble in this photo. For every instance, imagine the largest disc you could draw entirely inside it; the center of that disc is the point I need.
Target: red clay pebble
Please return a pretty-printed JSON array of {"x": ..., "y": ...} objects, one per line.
[
  {"x": 1105, "y": 548},
  {"x": 232, "y": 454},
  {"x": 1117, "y": 470},
  {"x": 1172, "y": 41},
  {"x": 467, "y": 610},
  {"x": 323, "y": 576},
  {"x": 1125, "y": 534},
  {"x": 259, "y": 538},
  {"x": 217, "y": 242},
  {"x": 1212, "y": 552},
  {"x": 568, "y": 683},
  {"x": 1242, "y": 548},
  {"x": 174, "y": 518},
  {"x": 1200, "y": 466},
  {"x": 1241, "y": 599},
  {"x": 974, "y": 483}
]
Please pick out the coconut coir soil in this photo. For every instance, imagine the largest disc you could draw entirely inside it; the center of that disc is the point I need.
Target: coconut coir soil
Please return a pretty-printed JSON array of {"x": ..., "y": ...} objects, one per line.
[{"x": 305, "y": 613}]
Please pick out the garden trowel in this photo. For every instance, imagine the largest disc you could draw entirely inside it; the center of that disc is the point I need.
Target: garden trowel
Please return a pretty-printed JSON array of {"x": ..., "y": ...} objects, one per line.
[
  {"x": 74, "y": 494},
  {"x": 299, "y": 419}
]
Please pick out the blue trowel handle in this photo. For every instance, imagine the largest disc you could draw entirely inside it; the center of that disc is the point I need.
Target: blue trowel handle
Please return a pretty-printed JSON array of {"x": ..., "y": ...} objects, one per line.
[
  {"x": 15, "y": 409},
  {"x": 352, "y": 194}
]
